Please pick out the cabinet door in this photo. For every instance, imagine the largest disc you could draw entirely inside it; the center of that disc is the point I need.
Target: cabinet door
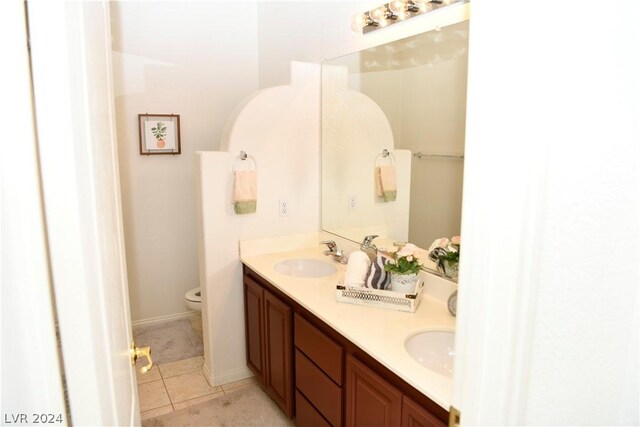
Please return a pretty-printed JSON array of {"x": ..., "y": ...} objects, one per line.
[
  {"x": 414, "y": 415},
  {"x": 371, "y": 401},
  {"x": 253, "y": 315},
  {"x": 278, "y": 350}
]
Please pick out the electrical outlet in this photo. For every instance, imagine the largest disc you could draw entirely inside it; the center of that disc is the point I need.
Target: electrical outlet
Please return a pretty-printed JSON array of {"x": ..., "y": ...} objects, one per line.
[
  {"x": 283, "y": 207},
  {"x": 352, "y": 202}
]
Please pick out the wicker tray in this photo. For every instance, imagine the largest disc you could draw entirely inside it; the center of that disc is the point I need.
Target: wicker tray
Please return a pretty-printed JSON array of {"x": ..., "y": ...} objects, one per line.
[{"x": 379, "y": 298}]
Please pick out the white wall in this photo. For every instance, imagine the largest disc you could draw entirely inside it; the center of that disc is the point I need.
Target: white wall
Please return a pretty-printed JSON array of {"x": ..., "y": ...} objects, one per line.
[
  {"x": 279, "y": 127},
  {"x": 196, "y": 59},
  {"x": 549, "y": 297}
]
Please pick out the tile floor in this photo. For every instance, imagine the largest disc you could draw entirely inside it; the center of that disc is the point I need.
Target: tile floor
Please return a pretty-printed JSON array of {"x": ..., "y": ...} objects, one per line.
[{"x": 173, "y": 386}]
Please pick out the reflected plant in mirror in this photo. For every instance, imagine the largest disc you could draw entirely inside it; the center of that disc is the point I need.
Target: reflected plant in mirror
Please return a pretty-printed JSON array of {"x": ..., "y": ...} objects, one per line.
[
  {"x": 446, "y": 254},
  {"x": 407, "y": 98}
]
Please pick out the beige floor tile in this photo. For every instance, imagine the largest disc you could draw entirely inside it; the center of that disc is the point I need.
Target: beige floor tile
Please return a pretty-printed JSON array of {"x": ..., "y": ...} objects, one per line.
[
  {"x": 152, "y": 375},
  {"x": 188, "y": 386},
  {"x": 156, "y": 412},
  {"x": 152, "y": 395},
  {"x": 185, "y": 404},
  {"x": 181, "y": 367},
  {"x": 242, "y": 383}
]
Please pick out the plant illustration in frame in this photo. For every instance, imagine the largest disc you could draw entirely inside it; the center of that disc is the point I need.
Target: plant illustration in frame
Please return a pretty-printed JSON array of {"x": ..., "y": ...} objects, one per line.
[{"x": 159, "y": 133}]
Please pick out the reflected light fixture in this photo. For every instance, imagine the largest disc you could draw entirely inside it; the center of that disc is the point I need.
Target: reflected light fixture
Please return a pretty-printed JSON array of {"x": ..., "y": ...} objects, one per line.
[{"x": 395, "y": 11}]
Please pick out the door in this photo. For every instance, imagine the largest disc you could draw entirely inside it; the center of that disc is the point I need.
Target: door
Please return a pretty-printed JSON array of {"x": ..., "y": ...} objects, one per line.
[
  {"x": 547, "y": 327},
  {"x": 253, "y": 307},
  {"x": 74, "y": 109},
  {"x": 413, "y": 415},
  {"x": 31, "y": 381},
  {"x": 278, "y": 350},
  {"x": 370, "y": 400}
]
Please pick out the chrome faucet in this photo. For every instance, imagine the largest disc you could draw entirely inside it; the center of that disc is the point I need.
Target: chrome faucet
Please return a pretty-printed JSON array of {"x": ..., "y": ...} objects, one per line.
[
  {"x": 336, "y": 254},
  {"x": 368, "y": 247}
]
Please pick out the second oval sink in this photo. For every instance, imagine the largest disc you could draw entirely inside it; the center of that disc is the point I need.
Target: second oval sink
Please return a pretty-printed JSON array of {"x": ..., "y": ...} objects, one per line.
[
  {"x": 305, "y": 267},
  {"x": 434, "y": 350}
]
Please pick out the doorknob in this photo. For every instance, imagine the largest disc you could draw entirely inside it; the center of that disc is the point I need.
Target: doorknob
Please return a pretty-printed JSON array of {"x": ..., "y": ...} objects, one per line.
[{"x": 139, "y": 352}]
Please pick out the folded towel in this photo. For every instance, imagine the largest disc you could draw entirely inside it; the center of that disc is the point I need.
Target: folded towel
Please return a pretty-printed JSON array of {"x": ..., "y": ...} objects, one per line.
[
  {"x": 386, "y": 186},
  {"x": 378, "y": 278},
  {"x": 245, "y": 192},
  {"x": 357, "y": 269}
]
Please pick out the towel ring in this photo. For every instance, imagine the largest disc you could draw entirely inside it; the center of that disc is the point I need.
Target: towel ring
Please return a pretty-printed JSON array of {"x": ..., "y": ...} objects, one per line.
[
  {"x": 386, "y": 154},
  {"x": 242, "y": 157}
]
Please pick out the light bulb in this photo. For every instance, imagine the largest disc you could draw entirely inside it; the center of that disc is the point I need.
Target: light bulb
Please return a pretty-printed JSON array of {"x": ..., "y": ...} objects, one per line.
[
  {"x": 402, "y": 8},
  {"x": 378, "y": 14},
  {"x": 358, "y": 22},
  {"x": 424, "y": 5},
  {"x": 399, "y": 7}
]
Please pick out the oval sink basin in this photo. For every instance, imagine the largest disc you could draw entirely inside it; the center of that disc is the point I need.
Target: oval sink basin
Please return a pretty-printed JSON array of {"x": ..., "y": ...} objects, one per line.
[
  {"x": 303, "y": 267},
  {"x": 434, "y": 350}
]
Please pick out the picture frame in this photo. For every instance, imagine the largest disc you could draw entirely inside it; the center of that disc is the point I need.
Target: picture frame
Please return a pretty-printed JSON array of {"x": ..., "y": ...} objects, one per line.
[{"x": 159, "y": 134}]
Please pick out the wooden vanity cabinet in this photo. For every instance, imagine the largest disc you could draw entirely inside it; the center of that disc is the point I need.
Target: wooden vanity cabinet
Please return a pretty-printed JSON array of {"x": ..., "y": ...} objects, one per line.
[
  {"x": 317, "y": 375},
  {"x": 371, "y": 401},
  {"x": 268, "y": 330}
]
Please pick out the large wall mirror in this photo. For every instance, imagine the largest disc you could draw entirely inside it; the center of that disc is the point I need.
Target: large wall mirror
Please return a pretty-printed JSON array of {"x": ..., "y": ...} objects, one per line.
[{"x": 408, "y": 99}]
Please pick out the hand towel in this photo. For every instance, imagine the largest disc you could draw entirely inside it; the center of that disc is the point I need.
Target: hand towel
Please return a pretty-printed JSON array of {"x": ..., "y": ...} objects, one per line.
[
  {"x": 357, "y": 269},
  {"x": 378, "y": 278},
  {"x": 378, "y": 180},
  {"x": 386, "y": 185},
  {"x": 245, "y": 192}
]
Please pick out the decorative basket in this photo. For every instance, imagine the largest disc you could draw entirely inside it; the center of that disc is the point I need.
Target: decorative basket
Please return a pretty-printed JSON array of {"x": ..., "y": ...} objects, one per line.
[{"x": 379, "y": 298}]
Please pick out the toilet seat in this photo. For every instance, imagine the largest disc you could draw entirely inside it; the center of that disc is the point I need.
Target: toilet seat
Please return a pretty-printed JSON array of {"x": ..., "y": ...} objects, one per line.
[
  {"x": 193, "y": 299},
  {"x": 193, "y": 295}
]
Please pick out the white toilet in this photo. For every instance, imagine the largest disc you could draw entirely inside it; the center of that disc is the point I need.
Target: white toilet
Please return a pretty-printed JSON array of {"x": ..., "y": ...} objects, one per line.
[{"x": 193, "y": 299}]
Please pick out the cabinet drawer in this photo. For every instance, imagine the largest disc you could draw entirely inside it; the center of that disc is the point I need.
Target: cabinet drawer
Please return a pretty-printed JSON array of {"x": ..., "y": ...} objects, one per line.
[
  {"x": 318, "y": 347},
  {"x": 307, "y": 415},
  {"x": 323, "y": 393}
]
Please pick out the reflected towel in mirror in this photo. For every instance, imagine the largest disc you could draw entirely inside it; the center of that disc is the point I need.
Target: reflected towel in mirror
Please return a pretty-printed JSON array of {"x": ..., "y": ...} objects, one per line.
[{"x": 386, "y": 186}]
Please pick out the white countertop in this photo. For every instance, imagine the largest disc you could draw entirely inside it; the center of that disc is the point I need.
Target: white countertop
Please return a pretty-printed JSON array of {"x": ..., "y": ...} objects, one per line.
[{"x": 378, "y": 331}]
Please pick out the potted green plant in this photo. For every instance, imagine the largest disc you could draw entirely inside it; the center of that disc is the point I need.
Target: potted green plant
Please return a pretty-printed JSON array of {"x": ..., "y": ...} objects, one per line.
[{"x": 403, "y": 265}]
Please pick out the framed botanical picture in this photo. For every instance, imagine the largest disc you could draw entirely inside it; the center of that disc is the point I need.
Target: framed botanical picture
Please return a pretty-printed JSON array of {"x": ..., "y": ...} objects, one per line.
[{"x": 159, "y": 133}]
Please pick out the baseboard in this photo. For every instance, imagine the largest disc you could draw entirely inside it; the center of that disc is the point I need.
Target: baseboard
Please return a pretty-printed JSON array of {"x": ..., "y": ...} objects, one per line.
[
  {"x": 164, "y": 319},
  {"x": 229, "y": 376}
]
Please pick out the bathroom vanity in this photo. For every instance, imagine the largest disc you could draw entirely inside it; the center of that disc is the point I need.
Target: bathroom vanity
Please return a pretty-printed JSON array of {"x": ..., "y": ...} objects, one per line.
[{"x": 323, "y": 372}]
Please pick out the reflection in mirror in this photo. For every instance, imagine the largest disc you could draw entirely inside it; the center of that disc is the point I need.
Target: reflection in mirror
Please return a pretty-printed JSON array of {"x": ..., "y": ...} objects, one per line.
[{"x": 408, "y": 97}]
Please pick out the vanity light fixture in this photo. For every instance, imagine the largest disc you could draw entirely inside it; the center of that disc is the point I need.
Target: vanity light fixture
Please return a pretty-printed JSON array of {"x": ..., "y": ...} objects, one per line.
[{"x": 395, "y": 11}]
